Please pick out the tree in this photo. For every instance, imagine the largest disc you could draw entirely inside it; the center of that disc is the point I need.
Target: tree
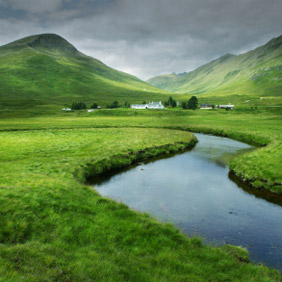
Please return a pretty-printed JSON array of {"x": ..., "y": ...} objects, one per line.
[
  {"x": 113, "y": 105},
  {"x": 78, "y": 106},
  {"x": 171, "y": 103},
  {"x": 192, "y": 103},
  {"x": 94, "y": 106},
  {"x": 126, "y": 104},
  {"x": 144, "y": 103},
  {"x": 184, "y": 105}
]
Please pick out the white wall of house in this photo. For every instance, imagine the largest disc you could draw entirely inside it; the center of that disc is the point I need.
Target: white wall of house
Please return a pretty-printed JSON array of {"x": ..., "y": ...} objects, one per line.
[
  {"x": 151, "y": 105},
  {"x": 225, "y": 107},
  {"x": 206, "y": 108},
  {"x": 139, "y": 106}
]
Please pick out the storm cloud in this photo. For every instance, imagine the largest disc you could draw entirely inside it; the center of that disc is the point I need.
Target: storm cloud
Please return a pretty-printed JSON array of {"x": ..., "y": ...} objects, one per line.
[{"x": 147, "y": 38}]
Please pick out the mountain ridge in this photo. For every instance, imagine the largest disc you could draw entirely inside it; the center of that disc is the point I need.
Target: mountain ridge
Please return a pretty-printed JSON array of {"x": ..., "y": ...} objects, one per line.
[
  {"x": 46, "y": 69},
  {"x": 232, "y": 74},
  {"x": 44, "y": 40}
]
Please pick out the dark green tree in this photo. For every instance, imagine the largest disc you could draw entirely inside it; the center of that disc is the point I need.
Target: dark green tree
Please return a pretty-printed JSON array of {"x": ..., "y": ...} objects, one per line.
[
  {"x": 114, "y": 105},
  {"x": 184, "y": 105},
  {"x": 144, "y": 103},
  {"x": 78, "y": 106},
  {"x": 192, "y": 103},
  {"x": 94, "y": 106},
  {"x": 171, "y": 103}
]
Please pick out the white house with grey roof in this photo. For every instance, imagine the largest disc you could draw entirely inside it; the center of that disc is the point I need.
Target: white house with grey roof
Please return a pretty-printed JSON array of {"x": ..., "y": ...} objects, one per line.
[{"x": 151, "y": 105}]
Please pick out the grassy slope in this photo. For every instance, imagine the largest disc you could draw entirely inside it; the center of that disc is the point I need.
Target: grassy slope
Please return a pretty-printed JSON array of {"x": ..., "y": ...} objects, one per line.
[
  {"x": 53, "y": 228},
  {"x": 255, "y": 73},
  {"x": 45, "y": 70}
]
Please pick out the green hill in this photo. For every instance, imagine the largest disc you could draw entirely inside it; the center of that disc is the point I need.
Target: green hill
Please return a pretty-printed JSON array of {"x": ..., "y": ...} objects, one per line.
[
  {"x": 257, "y": 73},
  {"x": 47, "y": 71}
]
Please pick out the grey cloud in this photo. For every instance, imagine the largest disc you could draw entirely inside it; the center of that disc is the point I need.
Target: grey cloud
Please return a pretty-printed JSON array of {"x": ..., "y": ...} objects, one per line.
[
  {"x": 33, "y": 6},
  {"x": 151, "y": 37}
]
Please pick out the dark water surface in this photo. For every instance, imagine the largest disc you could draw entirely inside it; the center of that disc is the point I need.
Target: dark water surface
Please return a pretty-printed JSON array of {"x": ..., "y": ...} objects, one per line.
[{"x": 193, "y": 191}]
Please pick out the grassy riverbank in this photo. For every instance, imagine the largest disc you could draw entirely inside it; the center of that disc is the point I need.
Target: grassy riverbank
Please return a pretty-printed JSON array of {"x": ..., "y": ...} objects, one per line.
[
  {"x": 55, "y": 228},
  {"x": 260, "y": 127}
]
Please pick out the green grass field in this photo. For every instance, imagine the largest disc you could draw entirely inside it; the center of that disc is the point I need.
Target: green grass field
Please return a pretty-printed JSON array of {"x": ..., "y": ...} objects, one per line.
[
  {"x": 53, "y": 227},
  {"x": 260, "y": 127}
]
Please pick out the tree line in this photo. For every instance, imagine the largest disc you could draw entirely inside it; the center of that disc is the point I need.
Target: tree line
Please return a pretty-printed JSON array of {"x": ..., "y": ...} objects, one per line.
[
  {"x": 113, "y": 105},
  {"x": 191, "y": 104},
  {"x": 82, "y": 106}
]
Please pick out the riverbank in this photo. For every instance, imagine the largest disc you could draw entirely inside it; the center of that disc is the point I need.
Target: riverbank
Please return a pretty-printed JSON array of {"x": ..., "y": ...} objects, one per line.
[
  {"x": 193, "y": 191},
  {"x": 261, "y": 127},
  {"x": 53, "y": 228},
  {"x": 89, "y": 171}
]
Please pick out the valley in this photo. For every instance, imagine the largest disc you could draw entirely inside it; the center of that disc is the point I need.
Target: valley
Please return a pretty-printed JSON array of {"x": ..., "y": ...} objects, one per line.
[{"x": 54, "y": 226}]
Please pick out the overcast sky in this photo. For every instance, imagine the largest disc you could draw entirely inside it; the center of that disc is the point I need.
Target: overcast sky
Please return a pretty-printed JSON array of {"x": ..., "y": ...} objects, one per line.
[{"x": 147, "y": 37}]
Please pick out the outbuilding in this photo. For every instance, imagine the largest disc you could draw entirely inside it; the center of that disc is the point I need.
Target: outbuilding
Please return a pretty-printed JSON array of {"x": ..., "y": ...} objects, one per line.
[
  {"x": 151, "y": 105},
  {"x": 206, "y": 107},
  {"x": 225, "y": 107}
]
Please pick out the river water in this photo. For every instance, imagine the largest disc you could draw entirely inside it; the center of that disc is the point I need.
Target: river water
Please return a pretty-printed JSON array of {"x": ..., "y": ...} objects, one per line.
[{"x": 193, "y": 191}]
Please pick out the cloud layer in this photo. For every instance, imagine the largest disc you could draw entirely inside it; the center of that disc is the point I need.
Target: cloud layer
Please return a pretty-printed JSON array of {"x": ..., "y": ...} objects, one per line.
[{"x": 148, "y": 37}]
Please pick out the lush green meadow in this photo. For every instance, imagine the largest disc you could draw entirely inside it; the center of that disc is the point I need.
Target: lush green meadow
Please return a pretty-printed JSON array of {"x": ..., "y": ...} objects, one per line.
[
  {"x": 54, "y": 227},
  {"x": 257, "y": 126}
]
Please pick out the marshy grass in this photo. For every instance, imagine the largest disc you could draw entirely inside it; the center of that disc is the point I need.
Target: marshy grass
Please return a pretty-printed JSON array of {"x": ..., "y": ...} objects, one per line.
[{"x": 53, "y": 227}]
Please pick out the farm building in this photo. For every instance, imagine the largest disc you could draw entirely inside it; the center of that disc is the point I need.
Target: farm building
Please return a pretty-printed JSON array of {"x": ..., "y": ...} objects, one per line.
[
  {"x": 92, "y": 110},
  {"x": 152, "y": 105},
  {"x": 139, "y": 106},
  {"x": 206, "y": 107},
  {"x": 226, "y": 107}
]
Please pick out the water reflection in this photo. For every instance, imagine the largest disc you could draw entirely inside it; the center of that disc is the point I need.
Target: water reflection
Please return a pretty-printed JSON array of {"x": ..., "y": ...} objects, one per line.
[{"x": 193, "y": 191}]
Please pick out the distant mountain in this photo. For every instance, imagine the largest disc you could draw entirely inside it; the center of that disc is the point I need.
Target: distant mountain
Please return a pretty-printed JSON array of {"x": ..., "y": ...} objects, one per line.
[
  {"x": 46, "y": 69},
  {"x": 258, "y": 72}
]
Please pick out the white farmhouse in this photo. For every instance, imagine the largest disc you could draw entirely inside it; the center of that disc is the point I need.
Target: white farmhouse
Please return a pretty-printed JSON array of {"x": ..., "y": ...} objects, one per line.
[
  {"x": 155, "y": 105},
  {"x": 139, "y": 106},
  {"x": 226, "y": 107},
  {"x": 152, "y": 105}
]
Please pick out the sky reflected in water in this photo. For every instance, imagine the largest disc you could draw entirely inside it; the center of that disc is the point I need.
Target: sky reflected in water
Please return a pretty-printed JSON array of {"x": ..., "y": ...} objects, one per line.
[{"x": 193, "y": 191}]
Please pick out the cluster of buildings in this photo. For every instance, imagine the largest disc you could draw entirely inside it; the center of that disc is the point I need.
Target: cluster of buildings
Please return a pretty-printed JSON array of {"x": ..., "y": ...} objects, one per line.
[
  {"x": 210, "y": 107},
  {"x": 159, "y": 105},
  {"x": 89, "y": 111},
  {"x": 152, "y": 105}
]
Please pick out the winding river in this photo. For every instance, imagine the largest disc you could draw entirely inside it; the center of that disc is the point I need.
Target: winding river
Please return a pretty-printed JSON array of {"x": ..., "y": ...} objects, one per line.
[{"x": 193, "y": 191}]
